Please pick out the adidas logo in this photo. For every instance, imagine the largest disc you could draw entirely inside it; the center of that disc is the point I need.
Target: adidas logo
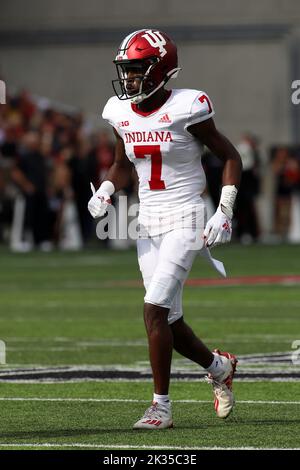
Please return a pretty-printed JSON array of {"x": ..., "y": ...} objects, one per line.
[{"x": 165, "y": 118}]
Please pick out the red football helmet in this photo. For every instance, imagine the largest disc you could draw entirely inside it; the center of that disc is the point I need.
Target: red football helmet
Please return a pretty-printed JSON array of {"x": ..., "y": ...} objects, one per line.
[{"x": 153, "y": 55}]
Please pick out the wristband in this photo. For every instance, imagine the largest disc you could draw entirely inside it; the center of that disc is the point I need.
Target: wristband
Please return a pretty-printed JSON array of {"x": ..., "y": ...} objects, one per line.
[
  {"x": 108, "y": 187},
  {"x": 227, "y": 199}
]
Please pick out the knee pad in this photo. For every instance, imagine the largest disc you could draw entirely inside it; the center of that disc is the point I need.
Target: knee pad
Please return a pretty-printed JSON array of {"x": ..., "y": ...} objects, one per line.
[
  {"x": 162, "y": 292},
  {"x": 165, "y": 284}
]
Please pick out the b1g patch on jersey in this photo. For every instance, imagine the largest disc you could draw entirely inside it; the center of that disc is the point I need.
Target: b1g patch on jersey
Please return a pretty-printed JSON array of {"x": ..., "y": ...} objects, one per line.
[{"x": 123, "y": 124}]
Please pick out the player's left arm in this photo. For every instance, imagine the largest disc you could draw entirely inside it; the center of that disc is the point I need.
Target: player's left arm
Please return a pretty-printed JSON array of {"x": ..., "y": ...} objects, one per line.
[
  {"x": 220, "y": 146},
  {"x": 218, "y": 228}
]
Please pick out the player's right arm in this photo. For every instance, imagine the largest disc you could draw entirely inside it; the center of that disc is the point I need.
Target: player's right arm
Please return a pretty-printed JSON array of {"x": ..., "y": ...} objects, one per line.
[
  {"x": 118, "y": 177},
  {"x": 121, "y": 170}
]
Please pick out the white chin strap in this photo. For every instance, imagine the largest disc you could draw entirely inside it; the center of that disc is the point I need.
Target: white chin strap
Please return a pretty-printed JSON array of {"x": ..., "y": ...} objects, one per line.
[
  {"x": 138, "y": 99},
  {"x": 143, "y": 96}
]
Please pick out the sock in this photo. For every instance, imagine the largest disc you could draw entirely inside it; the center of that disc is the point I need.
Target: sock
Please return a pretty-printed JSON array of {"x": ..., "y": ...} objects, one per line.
[
  {"x": 217, "y": 366},
  {"x": 162, "y": 399}
]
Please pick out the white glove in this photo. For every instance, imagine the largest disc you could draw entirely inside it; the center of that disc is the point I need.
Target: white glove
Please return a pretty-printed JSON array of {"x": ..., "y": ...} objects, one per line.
[
  {"x": 218, "y": 229},
  {"x": 99, "y": 202}
]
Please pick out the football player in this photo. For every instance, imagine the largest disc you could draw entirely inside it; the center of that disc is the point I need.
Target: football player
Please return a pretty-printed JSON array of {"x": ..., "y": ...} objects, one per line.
[{"x": 161, "y": 132}]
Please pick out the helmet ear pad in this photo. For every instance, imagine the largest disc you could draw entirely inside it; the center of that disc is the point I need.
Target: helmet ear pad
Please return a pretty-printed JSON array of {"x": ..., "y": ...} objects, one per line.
[{"x": 153, "y": 76}]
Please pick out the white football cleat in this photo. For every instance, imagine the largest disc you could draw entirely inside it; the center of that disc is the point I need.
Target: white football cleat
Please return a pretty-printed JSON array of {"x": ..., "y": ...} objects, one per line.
[
  {"x": 222, "y": 386},
  {"x": 157, "y": 416}
]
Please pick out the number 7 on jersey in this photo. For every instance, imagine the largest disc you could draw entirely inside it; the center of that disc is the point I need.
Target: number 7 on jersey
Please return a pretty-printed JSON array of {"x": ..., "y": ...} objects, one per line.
[{"x": 142, "y": 151}]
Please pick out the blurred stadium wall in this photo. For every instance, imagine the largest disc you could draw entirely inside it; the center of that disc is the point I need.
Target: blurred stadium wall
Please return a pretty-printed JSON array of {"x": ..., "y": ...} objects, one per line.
[{"x": 244, "y": 54}]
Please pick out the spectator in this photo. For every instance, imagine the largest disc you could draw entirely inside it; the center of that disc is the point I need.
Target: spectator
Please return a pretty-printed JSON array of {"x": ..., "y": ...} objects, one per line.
[
  {"x": 81, "y": 175},
  {"x": 31, "y": 173},
  {"x": 2, "y": 186},
  {"x": 247, "y": 225},
  {"x": 101, "y": 156},
  {"x": 286, "y": 169}
]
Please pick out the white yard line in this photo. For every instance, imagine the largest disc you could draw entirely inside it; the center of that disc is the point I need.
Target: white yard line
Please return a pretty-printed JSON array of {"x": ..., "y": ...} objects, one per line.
[
  {"x": 127, "y": 400},
  {"x": 125, "y": 446}
]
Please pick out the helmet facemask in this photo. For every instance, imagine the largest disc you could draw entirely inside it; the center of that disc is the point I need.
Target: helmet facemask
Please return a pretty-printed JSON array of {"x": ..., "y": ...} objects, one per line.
[{"x": 145, "y": 72}]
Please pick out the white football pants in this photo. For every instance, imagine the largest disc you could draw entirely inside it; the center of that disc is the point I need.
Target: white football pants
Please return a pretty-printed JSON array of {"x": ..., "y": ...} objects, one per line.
[{"x": 165, "y": 262}]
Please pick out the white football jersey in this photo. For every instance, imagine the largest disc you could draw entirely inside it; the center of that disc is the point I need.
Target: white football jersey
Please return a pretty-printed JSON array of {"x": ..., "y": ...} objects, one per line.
[{"x": 166, "y": 156}]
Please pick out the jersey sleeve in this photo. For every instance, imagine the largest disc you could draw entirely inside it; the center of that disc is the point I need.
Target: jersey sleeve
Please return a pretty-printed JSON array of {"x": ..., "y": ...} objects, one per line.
[
  {"x": 201, "y": 109},
  {"x": 109, "y": 112}
]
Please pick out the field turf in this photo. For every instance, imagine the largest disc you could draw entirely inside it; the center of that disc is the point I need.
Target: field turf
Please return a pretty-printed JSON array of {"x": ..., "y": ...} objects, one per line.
[{"x": 83, "y": 312}]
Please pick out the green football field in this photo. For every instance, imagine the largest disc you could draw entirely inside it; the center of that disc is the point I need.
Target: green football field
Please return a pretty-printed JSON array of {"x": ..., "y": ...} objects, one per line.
[{"x": 77, "y": 372}]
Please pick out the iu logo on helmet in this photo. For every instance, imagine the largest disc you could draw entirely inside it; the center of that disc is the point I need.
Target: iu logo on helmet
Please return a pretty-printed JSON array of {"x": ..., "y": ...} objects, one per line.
[{"x": 155, "y": 39}]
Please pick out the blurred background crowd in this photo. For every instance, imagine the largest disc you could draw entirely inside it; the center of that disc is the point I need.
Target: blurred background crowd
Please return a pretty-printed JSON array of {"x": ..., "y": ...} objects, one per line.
[
  {"x": 245, "y": 56},
  {"x": 48, "y": 158}
]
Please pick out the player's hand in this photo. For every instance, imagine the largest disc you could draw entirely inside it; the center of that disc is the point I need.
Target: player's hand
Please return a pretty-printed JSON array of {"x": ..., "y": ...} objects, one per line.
[
  {"x": 99, "y": 202},
  {"x": 218, "y": 229}
]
